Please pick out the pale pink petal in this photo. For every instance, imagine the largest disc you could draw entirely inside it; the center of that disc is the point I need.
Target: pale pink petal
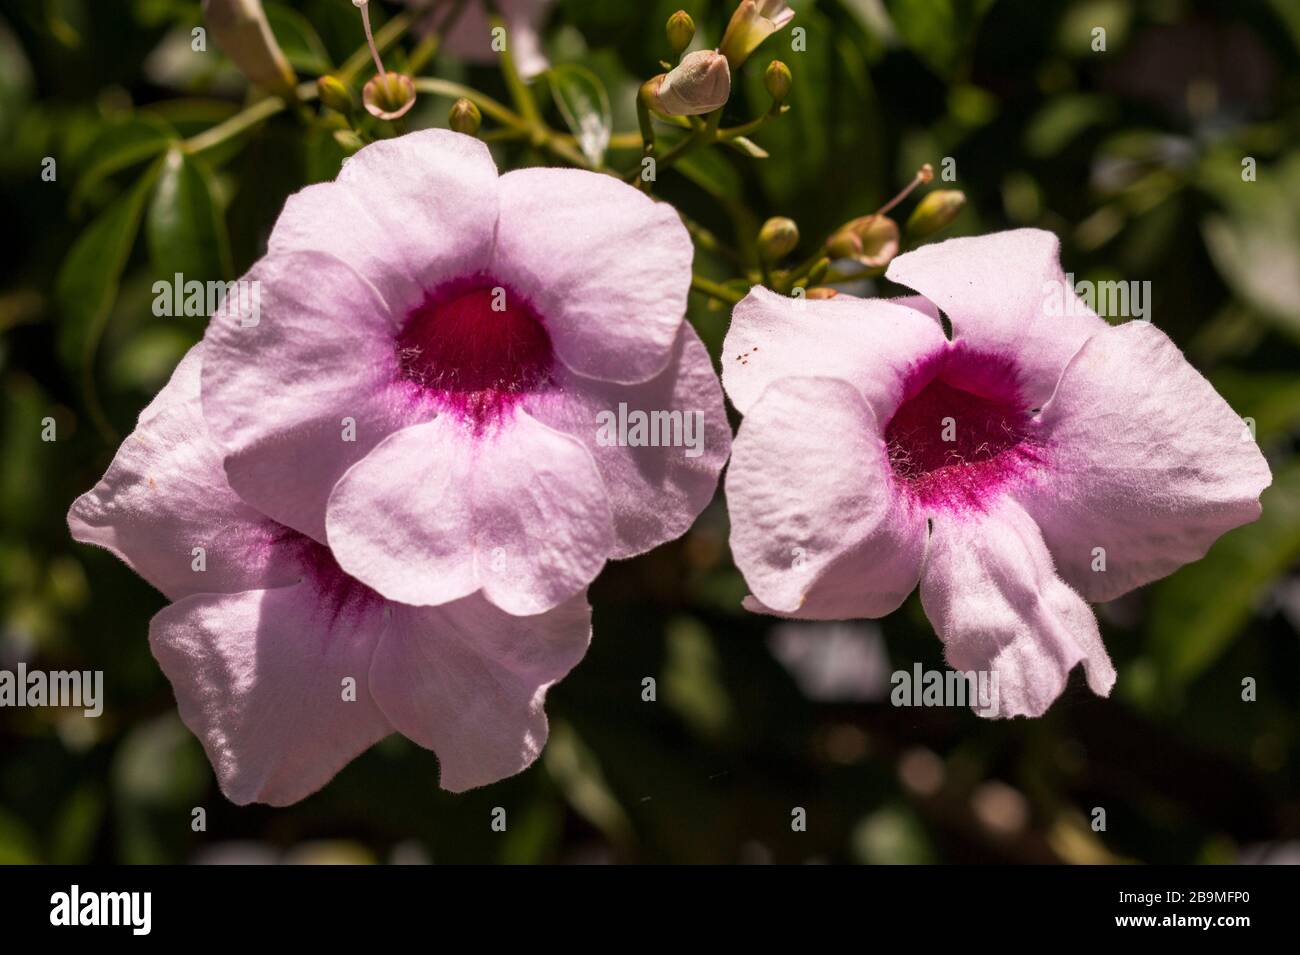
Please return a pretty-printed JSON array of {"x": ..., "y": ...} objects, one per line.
[
  {"x": 991, "y": 591},
  {"x": 470, "y": 38},
  {"x": 871, "y": 344},
  {"x": 278, "y": 396},
  {"x": 818, "y": 528},
  {"x": 409, "y": 214},
  {"x": 469, "y": 681},
  {"x": 165, "y": 495},
  {"x": 439, "y": 510},
  {"x": 996, "y": 290},
  {"x": 606, "y": 267},
  {"x": 262, "y": 678},
  {"x": 1149, "y": 464},
  {"x": 655, "y": 492}
]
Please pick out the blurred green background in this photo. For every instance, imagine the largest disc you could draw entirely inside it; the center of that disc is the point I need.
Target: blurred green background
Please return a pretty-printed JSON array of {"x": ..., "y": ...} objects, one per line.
[{"x": 1132, "y": 155}]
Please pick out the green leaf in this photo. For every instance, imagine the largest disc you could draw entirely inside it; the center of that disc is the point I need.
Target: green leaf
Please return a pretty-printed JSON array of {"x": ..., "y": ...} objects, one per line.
[
  {"x": 298, "y": 39},
  {"x": 185, "y": 230},
  {"x": 118, "y": 147},
  {"x": 1196, "y": 613},
  {"x": 581, "y": 98},
  {"x": 1255, "y": 242},
  {"x": 87, "y": 283}
]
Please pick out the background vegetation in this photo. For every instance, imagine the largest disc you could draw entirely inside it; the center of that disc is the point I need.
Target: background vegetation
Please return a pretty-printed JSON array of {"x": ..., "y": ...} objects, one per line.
[{"x": 1133, "y": 156}]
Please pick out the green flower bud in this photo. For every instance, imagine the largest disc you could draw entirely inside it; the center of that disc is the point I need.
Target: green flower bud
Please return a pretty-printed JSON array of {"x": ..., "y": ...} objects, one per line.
[
  {"x": 934, "y": 212},
  {"x": 681, "y": 31},
  {"x": 777, "y": 79},
  {"x": 349, "y": 140},
  {"x": 465, "y": 117},
  {"x": 335, "y": 94},
  {"x": 777, "y": 238}
]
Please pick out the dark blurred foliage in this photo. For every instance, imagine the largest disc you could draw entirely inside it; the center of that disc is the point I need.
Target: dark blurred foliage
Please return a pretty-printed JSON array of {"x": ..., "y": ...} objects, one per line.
[{"x": 1132, "y": 155}]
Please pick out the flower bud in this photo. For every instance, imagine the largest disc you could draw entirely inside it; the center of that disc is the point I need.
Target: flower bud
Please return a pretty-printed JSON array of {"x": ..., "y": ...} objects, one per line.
[
  {"x": 348, "y": 140},
  {"x": 334, "y": 94},
  {"x": 934, "y": 212},
  {"x": 681, "y": 31},
  {"x": 778, "y": 80},
  {"x": 777, "y": 238},
  {"x": 820, "y": 293},
  {"x": 699, "y": 84},
  {"x": 240, "y": 29},
  {"x": 752, "y": 23},
  {"x": 389, "y": 96},
  {"x": 869, "y": 240},
  {"x": 465, "y": 117}
]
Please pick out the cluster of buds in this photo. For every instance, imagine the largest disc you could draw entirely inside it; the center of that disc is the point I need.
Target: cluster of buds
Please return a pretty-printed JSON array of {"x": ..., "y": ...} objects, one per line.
[
  {"x": 873, "y": 240},
  {"x": 701, "y": 81},
  {"x": 241, "y": 30},
  {"x": 698, "y": 84}
]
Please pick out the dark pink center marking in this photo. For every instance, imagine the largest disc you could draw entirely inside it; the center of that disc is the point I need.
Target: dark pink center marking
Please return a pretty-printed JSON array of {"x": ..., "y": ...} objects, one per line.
[
  {"x": 340, "y": 594},
  {"x": 476, "y": 347},
  {"x": 962, "y": 431}
]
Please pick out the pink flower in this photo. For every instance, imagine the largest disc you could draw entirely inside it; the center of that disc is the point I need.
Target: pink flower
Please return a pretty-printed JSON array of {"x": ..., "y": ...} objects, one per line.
[
  {"x": 284, "y": 666},
  {"x": 436, "y": 351},
  {"x": 1033, "y": 462},
  {"x": 470, "y": 37}
]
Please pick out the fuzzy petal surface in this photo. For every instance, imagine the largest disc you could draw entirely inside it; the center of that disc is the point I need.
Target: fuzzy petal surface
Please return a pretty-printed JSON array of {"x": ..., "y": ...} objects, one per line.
[
  {"x": 259, "y": 679},
  {"x": 817, "y": 526},
  {"x": 870, "y": 343},
  {"x": 655, "y": 493},
  {"x": 437, "y": 512},
  {"x": 278, "y": 395},
  {"x": 469, "y": 681},
  {"x": 1149, "y": 464},
  {"x": 995, "y": 289},
  {"x": 165, "y": 494},
  {"x": 607, "y": 267},
  {"x": 992, "y": 593},
  {"x": 408, "y": 214}
]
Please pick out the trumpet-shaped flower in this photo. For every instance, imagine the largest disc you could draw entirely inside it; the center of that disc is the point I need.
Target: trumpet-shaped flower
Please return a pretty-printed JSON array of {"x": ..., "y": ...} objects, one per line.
[
  {"x": 435, "y": 357},
  {"x": 284, "y": 666},
  {"x": 1037, "y": 459}
]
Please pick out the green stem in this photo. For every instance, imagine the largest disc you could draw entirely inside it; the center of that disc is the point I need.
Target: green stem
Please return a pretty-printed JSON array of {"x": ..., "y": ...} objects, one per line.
[
  {"x": 243, "y": 121},
  {"x": 520, "y": 93},
  {"x": 754, "y": 125},
  {"x": 498, "y": 111},
  {"x": 715, "y": 290},
  {"x": 710, "y": 242}
]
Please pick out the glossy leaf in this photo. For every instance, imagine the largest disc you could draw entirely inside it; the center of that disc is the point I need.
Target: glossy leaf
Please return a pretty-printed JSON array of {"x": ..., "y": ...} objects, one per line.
[{"x": 582, "y": 101}]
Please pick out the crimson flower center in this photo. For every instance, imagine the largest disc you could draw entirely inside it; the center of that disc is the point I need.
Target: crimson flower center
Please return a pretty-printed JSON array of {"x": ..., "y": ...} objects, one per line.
[
  {"x": 961, "y": 435},
  {"x": 476, "y": 349}
]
